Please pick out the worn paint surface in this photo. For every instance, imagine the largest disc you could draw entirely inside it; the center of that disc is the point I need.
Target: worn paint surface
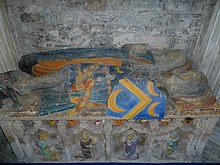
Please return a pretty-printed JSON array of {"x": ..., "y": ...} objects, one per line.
[
  {"x": 136, "y": 99},
  {"x": 90, "y": 82}
]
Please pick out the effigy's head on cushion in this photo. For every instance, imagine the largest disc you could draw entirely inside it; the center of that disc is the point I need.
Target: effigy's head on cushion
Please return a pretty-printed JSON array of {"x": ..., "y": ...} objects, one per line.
[{"x": 129, "y": 83}]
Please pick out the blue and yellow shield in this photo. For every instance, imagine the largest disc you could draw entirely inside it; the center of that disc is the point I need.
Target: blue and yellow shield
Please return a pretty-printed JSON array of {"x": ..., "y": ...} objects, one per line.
[{"x": 136, "y": 99}]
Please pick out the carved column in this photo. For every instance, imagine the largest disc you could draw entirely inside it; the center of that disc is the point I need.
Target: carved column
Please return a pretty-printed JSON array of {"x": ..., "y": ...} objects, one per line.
[
  {"x": 154, "y": 127},
  {"x": 8, "y": 52},
  {"x": 108, "y": 136},
  {"x": 63, "y": 133},
  {"x": 204, "y": 126},
  {"x": 206, "y": 56},
  {"x": 199, "y": 137},
  {"x": 13, "y": 140}
]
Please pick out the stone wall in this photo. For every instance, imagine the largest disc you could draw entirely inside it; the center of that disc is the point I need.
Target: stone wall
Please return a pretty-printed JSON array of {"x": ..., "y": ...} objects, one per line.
[{"x": 42, "y": 25}]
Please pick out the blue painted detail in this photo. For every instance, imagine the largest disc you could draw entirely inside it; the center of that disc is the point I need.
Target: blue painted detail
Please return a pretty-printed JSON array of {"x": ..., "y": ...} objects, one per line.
[
  {"x": 126, "y": 100},
  {"x": 100, "y": 92},
  {"x": 52, "y": 102},
  {"x": 68, "y": 54}
]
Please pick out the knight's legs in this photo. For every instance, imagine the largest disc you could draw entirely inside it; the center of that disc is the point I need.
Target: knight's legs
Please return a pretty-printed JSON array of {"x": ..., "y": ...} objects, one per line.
[{"x": 46, "y": 81}]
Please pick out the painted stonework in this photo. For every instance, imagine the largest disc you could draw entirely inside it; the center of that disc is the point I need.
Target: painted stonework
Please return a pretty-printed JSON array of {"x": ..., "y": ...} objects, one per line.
[
  {"x": 133, "y": 82},
  {"x": 73, "y": 109}
]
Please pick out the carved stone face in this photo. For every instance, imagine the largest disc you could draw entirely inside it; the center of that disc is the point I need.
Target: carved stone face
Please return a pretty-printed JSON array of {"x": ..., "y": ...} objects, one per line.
[
  {"x": 85, "y": 136},
  {"x": 173, "y": 135},
  {"x": 43, "y": 136},
  {"x": 130, "y": 135}
]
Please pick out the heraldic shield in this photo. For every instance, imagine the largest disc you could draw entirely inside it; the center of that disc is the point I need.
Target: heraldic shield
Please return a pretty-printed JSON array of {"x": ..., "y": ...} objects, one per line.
[{"x": 136, "y": 99}]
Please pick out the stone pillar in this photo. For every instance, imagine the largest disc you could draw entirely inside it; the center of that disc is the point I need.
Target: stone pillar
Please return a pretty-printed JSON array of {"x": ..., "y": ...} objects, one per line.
[
  {"x": 154, "y": 127},
  {"x": 206, "y": 56},
  {"x": 108, "y": 136},
  {"x": 8, "y": 53},
  {"x": 63, "y": 133},
  {"x": 13, "y": 140}
]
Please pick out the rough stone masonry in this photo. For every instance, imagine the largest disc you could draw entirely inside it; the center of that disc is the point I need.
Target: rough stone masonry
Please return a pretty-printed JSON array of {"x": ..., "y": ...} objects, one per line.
[{"x": 43, "y": 25}]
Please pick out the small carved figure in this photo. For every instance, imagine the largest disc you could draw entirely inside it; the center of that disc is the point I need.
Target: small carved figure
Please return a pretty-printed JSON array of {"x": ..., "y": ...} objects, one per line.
[
  {"x": 87, "y": 143},
  {"x": 130, "y": 141},
  {"x": 48, "y": 149},
  {"x": 166, "y": 147},
  {"x": 171, "y": 144}
]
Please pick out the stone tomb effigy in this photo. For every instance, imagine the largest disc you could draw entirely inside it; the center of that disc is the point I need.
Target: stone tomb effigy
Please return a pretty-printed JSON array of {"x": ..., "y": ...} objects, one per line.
[{"x": 107, "y": 104}]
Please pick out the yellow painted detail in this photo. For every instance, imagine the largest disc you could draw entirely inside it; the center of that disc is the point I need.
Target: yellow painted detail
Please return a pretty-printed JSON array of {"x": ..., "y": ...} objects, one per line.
[
  {"x": 112, "y": 101},
  {"x": 135, "y": 111},
  {"x": 118, "y": 70},
  {"x": 135, "y": 90},
  {"x": 72, "y": 112},
  {"x": 72, "y": 122},
  {"x": 75, "y": 100},
  {"x": 119, "y": 122},
  {"x": 47, "y": 66},
  {"x": 151, "y": 109},
  {"x": 89, "y": 104},
  {"x": 150, "y": 87},
  {"x": 52, "y": 122},
  {"x": 144, "y": 99}
]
